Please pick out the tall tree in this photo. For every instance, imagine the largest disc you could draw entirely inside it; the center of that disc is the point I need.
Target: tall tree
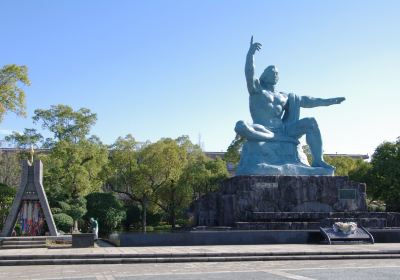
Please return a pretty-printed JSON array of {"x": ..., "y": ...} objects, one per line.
[
  {"x": 122, "y": 165},
  {"x": 30, "y": 137},
  {"x": 65, "y": 123},
  {"x": 12, "y": 96},
  {"x": 232, "y": 154},
  {"x": 344, "y": 165},
  {"x": 10, "y": 169},
  {"x": 159, "y": 164},
  {"x": 384, "y": 176},
  {"x": 204, "y": 175},
  {"x": 175, "y": 194},
  {"x": 73, "y": 169},
  {"x": 6, "y": 199}
]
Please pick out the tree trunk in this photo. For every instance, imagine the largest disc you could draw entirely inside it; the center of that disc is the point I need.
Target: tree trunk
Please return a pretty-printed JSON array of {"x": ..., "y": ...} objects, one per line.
[
  {"x": 172, "y": 218},
  {"x": 144, "y": 214}
]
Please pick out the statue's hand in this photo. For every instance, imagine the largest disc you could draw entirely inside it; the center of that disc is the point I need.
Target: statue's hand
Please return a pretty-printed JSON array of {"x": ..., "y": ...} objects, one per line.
[
  {"x": 254, "y": 46},
  {"x": 338, "y": 100}
]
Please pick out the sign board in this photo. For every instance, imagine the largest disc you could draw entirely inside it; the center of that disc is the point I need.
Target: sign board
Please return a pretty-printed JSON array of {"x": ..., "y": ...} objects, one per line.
[
  {"x": 347, "y": 194},
  {"x": 267, "y": 185}
]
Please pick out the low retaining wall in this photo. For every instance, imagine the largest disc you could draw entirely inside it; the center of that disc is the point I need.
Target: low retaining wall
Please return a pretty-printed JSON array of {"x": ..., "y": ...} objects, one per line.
[{"x": 237, "y": 237}]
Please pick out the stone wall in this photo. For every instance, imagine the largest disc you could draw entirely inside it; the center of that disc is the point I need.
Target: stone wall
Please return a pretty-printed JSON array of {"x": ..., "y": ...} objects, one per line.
[{"x": 239, "y": 197}]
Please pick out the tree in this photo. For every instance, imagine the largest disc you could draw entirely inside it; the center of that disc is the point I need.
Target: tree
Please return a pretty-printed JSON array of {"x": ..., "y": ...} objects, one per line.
[
  {"x": 105, "y": 208},
  {"x": 10, "y": 169},
  {"x": 159, "y": 164},
  {"x": 75, "y": 208},
  {"x": 73, "y": 170},
  {"x": 24, "y": 141},
  {"x": 204, "y": 175},
  {"x": 30, "y": 137},
  {"x": 7, "y": 195},
  {"x": 12, "y": 97},
  {"x": 175, "y": 194},
  {"x": 232, "y": 154},
  {"x": 384, "y": 175},
  {"x": 122, "y": 165},
  {"x": 65, "y": 123},
  {"x": 344, "y": 165}
]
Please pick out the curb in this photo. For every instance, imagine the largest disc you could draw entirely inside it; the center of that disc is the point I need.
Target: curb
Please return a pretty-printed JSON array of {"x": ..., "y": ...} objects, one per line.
[{"x": 14, "y": 260}]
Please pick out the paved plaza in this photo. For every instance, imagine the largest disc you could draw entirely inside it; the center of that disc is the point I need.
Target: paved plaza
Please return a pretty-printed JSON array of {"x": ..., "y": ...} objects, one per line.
[
  {"x": 381, "y": 261},
  {"x": 216, "y": 250},
  {"x": 302, "y": 270}
]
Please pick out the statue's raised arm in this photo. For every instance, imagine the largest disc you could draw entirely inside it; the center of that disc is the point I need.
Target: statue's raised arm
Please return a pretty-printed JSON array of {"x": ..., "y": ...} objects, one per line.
[
  {"x": 311, "y": 102},
  {"x": 249, "y": 67}
]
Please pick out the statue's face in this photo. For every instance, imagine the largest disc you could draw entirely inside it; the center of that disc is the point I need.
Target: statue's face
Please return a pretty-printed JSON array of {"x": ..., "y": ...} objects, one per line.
[{"x": 269, "y": 76}]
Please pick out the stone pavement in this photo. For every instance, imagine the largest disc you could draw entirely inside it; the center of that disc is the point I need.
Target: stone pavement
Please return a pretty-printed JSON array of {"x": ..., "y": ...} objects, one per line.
[{"x": 103, "y": 255}]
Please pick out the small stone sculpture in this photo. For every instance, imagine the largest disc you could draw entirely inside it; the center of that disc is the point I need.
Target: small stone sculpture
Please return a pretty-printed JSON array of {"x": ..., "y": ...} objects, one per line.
[
  {"x": 346, "y": 228},
  {"x": 272, "y": 146},
  {"x": 94, "y": 227}
]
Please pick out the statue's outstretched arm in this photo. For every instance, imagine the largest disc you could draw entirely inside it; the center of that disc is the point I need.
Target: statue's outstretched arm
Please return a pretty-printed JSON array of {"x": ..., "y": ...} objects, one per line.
[
  {"x": 311, "y": 102},
  {"x": 249, "y": 67}
]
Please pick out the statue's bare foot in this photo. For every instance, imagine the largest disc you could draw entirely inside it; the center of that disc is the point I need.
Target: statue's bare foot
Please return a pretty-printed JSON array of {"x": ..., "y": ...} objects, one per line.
[{"x": 322, "y": 164}]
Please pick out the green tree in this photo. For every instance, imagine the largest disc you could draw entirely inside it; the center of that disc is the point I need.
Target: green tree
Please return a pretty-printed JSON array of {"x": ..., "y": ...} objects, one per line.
[
  {"x": 12, "y": 96},
  {"x": 232, "y": 154},
  {"x": 204, "y": 175},
  {"x": 106, "y": 209},
  {"x": 175, "y": 195},
  {"x": 122, "y": 164},
  {"x": 384, "y": 175},
  {"x": 75, "y": 208},
  {"x": 7, "y": 195},
  {"x": 30, "y": 137},
  {"x": 65, "y": 123},
  {"x": 73, "y": 170},
  {"x": 24, "y": 141},
  {"x": 74, "y": 164},
  {"x": 159, "y": 164},
  {"x": 344, "y": 165},
  {"x": 10, "y": 169}
]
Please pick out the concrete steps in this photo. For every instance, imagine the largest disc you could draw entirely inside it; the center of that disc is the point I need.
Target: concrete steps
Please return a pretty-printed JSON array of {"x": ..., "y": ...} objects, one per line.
[
  {"x": 189, "y": 257},
  {"x": 22, "y": 242}
]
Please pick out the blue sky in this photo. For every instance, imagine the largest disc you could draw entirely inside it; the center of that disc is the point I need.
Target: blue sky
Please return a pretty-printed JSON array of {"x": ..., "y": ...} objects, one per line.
[{"x": 169, "y": 68}]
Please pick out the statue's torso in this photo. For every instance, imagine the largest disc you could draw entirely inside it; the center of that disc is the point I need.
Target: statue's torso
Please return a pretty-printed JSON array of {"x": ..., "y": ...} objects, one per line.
[{"x": 267, "y": 108}]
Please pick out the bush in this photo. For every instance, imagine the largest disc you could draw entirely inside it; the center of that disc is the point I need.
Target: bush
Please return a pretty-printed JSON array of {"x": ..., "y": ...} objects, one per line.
[
  {"x": 106, "y": 209},
  {"x": 56, "y": 210},
  {"x": 7, "y": 195},
  {"x": 163, "y": 228},
  {"x": 63, "y": 222}
]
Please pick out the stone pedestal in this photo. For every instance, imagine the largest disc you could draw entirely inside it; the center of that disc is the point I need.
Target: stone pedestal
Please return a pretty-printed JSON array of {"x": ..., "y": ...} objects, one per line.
[
  {"x": 83, "y": 240},
  {"x": 288, "y": 202}
]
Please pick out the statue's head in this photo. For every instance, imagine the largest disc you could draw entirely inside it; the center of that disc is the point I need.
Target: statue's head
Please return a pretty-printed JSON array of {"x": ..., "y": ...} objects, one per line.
[
  {"x": 269, "y": 76},
  {"x": 91, "y": 220}
]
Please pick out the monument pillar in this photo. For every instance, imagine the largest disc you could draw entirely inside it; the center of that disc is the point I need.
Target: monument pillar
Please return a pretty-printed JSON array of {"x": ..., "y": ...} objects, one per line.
[{"x": 30, "y": 205}]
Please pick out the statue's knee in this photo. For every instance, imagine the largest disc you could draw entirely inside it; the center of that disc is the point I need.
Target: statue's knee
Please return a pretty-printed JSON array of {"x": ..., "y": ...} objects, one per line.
[
  {"x": 240, "y": 127},
  {"x": 312, "y": 123}
]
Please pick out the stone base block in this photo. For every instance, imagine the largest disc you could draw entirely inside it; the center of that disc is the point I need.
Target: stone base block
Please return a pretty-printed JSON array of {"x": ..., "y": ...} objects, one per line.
[
  {"x": 239, "y": 197},
  {"x": 83, "y": 240}
]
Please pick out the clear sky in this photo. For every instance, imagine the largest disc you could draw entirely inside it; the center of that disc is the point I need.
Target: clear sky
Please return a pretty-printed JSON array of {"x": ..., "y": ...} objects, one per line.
[{"x": 169, "y": 68}]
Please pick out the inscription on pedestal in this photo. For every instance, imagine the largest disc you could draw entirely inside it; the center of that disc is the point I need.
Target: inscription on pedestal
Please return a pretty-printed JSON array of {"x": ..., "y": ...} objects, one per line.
[
  {"x": 347, "y": 194},
  {"x": 267, "y": 185}
]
